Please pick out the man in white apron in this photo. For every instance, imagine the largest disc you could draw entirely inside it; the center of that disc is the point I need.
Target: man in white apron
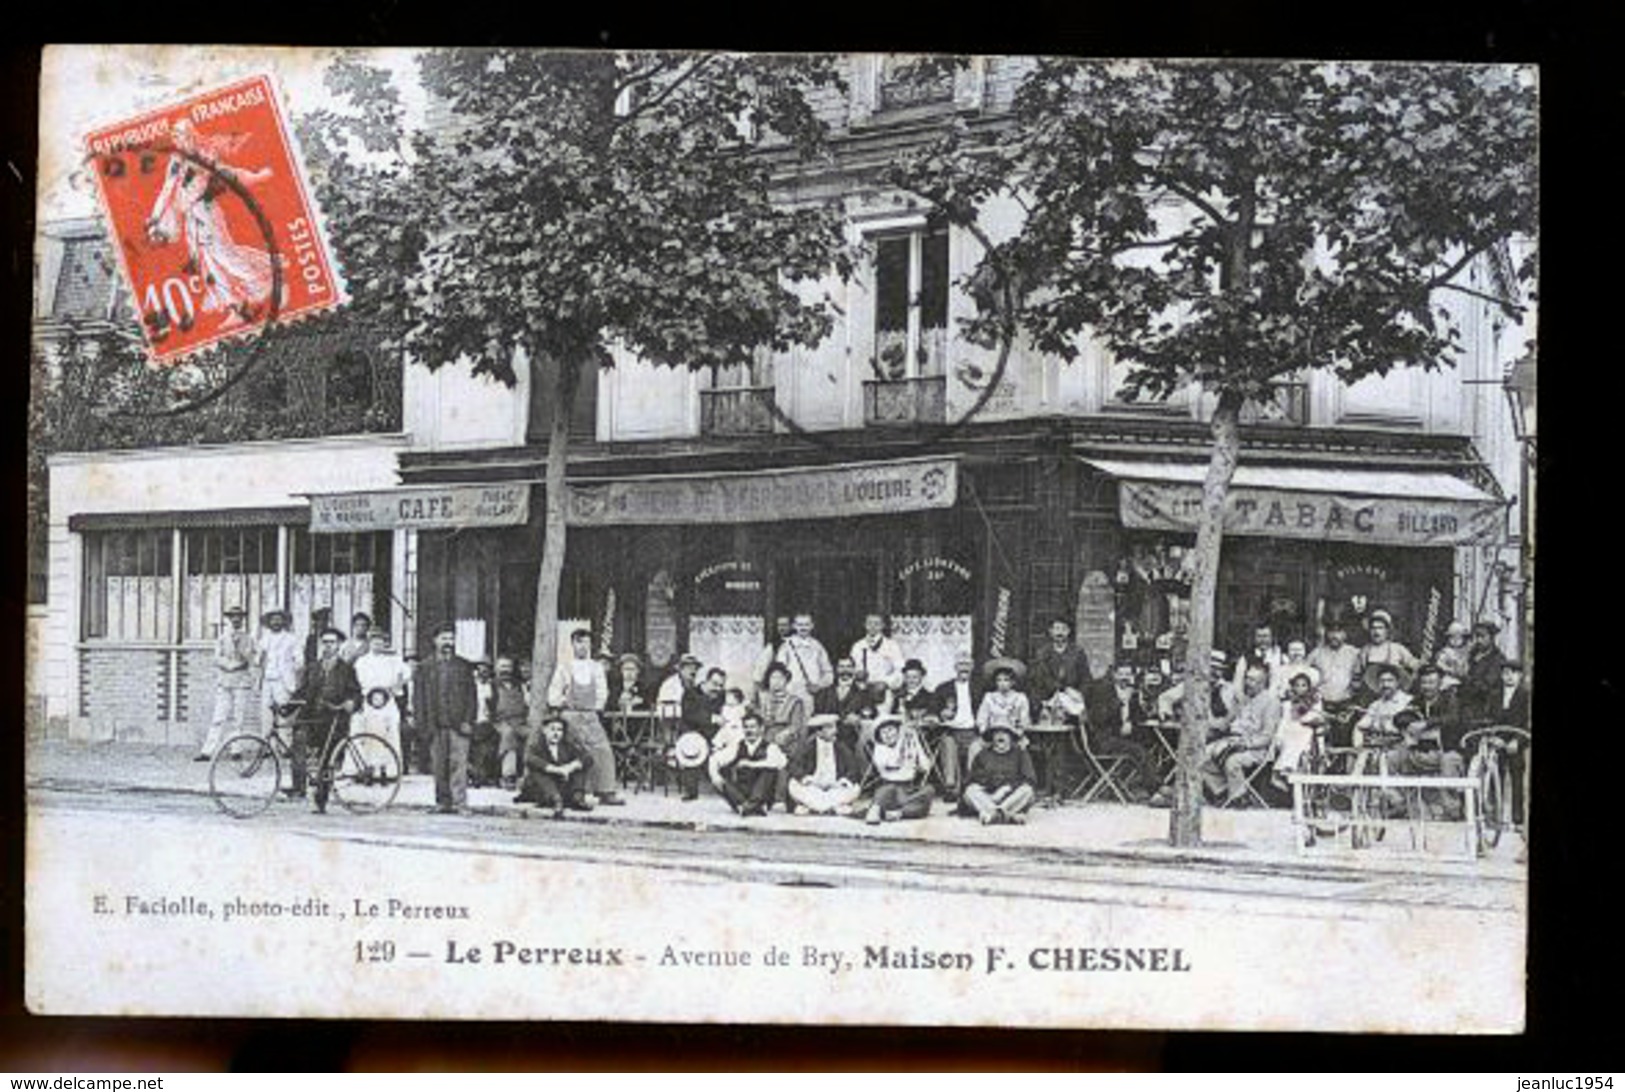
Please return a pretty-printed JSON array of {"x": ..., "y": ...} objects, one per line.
[{"x": 580, "y": 690}]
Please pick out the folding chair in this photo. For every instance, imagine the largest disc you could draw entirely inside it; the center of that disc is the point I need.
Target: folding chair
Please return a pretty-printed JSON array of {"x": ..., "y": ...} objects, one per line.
[
  {"x": 1100, "y": 772},
  {"x": 1252, "y": 794}
]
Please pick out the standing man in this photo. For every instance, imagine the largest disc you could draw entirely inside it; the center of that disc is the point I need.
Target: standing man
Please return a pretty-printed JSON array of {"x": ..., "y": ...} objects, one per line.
[
  {"x": 320, "y": 619},
  {"x": 1382, "y": 651},
  {"x": 1338, "y": 663},
  {"x": 1060, "y": 675},
  {"x": 769, "y": 653},
  {"x": 445, "y": 710},
  {"x": 331, "y": 695},
  {"x": 282, "y": 663},
  {"x": 878, "y": 659},
  {"x": 580, "y": 690},
  {"x": 1481, "y": 691},
  {"x": 1265, "y": 653},
  {"x": 510, "y": 713},
  {"x": 807, "y": 659},
  {"x": 234, "y": 657}
]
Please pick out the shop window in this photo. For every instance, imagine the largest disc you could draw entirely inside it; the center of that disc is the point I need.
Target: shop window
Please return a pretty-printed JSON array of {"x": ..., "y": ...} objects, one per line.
[
  {"x": 346, "y": 573},
  {"x": 128, "y": 585},
  {"x": 739, "y": 397},
  {"x": 911, "y": 327},
  {"x": 225, "y": 567}
]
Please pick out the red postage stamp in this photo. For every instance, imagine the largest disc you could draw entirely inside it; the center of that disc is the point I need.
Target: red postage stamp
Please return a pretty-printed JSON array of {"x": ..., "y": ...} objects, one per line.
[{"x": 216, "y": 228}]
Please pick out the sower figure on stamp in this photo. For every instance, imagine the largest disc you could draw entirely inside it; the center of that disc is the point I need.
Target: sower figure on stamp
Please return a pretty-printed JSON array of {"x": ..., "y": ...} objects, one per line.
[
  {"x": 580, "y": 690},
  {"x": 555, "y": 770},
  {"x": 444, "y": 695},
  {"x": 330, "y": 694},
  {"x": 234, "y": 658}
]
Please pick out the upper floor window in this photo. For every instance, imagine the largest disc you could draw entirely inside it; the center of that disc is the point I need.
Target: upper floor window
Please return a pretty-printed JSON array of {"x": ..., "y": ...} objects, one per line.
[
  {"x": 911, "y": 303},
  {"x": 738, "y": 397},
  {"x": 909, "y": 79}
]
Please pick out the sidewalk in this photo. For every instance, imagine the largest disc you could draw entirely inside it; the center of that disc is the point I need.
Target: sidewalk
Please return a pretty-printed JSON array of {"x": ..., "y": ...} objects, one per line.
[{"x": 1256, "y": 838}]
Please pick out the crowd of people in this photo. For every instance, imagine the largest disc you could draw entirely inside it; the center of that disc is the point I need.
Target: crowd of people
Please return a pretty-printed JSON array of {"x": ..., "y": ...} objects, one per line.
[{"x": 865, "y": 733}]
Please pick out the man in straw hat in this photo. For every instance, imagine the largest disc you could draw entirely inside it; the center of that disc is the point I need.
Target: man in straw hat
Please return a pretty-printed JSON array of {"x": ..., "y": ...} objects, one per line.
[
  {"x": 282, "y": 661},
  {"x": 825, "y": 776},
  {"x": 234, "y": 658},
  {"x": 999, "y": 788},
  {"x": 1383, "y": 651}
]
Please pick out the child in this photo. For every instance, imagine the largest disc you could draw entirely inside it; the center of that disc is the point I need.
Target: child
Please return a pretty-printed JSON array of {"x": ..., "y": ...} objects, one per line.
[
  {"x": 1301, "y": 714},
  {"x": 555, "y": 771},
  {"x": 1455, "y": 657},
  {"x": 902, "y": 764},
  {"x": 1001, "y": 780}
]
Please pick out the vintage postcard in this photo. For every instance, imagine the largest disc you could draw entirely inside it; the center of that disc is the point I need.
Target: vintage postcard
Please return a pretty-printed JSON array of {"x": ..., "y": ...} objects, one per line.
[{"x": 829, "y": 539}]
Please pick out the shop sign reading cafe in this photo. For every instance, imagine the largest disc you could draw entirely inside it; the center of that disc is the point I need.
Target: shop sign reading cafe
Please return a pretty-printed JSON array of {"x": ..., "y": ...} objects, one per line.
[{"x": 504, "y": 504}]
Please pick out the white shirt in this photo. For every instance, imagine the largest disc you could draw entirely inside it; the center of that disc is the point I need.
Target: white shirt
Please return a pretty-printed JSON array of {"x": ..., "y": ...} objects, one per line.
[
  {"x": 881, "y": 661},
  {"x": 382, "y": 669},
  {"x": 964, "y": 713}
]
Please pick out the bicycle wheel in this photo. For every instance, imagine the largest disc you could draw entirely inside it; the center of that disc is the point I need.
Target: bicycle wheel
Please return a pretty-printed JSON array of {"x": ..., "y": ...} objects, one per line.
[
  {"x": 1487, "y": 772},
  {"x": 366, "y": 773},
  {"x": 244, "y": 776}
]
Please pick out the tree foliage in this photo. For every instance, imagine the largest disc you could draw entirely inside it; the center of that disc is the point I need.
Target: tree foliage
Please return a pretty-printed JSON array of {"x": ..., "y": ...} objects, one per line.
[{"x": 1236, "y": 223}]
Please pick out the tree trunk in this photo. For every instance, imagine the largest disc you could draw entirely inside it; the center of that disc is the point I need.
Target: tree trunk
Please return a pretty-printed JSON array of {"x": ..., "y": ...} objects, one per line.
[
  {"x": 1185, "y": 820},
  {"x": 550, "y": 574}
]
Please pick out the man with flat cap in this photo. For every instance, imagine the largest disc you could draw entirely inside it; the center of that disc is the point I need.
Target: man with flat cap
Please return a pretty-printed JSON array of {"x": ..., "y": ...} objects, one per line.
[
  {"x": 444, "y": 709},
  {"x": 234, "y": 658}
]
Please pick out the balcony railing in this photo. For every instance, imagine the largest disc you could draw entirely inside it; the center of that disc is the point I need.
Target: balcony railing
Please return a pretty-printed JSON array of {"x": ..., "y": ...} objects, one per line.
[
  {"x": 736, "y": 411},
  {"x": 920, "y": 400}
]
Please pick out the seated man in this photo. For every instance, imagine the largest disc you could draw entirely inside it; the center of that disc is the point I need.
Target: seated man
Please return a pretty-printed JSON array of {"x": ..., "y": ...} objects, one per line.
[
  {"x": 904, "y": 768},
  {"x": 1377, "y": 724},
  {"x": 1417, "y": 751},
  {"x": 1240, "y": 743},
  {"x": 555, "y": 771},
  {"x": 957, "y": 702},
  {"x": 845, "y": 699},
  {"x": 999, "y": 788},
  {"x": 825, "y": 776},
  {"x": 746, "y": 771},
  {"x": 1117, "y": 724}
]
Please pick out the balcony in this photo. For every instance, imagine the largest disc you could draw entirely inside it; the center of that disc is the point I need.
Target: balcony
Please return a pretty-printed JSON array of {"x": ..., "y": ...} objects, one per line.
[
  {"x": 736, "y": 411},
  {"x": 921, "y": 400}
]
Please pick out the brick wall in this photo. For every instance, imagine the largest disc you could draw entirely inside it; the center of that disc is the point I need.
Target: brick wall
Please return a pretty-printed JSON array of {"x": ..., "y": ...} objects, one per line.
[{"x": 124, "y": 694}]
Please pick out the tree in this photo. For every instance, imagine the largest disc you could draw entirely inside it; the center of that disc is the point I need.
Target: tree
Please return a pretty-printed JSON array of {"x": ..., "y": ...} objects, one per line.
[
  {"x": 579, "y": 202},
  {"x": 1234, "y": 225}
]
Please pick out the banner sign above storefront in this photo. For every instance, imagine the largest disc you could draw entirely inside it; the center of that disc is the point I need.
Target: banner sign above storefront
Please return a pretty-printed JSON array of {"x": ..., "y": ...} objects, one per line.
[
  {"x": 1278, "y": 513},
  {"x": 428, "y": 508},
  {"x": 828, "y": 492}
]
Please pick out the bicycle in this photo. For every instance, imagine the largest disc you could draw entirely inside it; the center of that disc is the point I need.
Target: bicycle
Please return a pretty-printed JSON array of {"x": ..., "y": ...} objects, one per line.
[
  {"x": 1490, "y": 745},
  {"x": 362, "y": 771}
]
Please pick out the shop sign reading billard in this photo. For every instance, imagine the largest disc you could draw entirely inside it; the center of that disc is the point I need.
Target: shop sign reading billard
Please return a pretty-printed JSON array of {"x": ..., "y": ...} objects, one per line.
[
  {"x": 427, "y": 509},
  {"x": 1389, "y": 521}
]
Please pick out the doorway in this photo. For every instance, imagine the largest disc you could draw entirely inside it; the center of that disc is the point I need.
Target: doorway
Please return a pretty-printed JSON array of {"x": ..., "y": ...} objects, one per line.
[{"x": 838, "y": 590}]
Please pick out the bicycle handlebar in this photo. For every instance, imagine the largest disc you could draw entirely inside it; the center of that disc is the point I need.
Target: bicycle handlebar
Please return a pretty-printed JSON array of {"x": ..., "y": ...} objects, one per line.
[{"x": 1497, "y": 730}]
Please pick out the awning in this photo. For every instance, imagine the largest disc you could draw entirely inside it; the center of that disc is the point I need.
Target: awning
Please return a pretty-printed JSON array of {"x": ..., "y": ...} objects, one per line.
[
  {"x": 1336, "y": 504},
  {"x": 422, "y": 507},
  {"x": 197, "y": 517},
  {"x": 823, "y": 492}
]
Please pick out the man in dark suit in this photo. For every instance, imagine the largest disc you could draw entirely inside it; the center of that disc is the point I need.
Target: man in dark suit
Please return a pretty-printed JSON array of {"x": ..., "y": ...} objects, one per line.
[
  {"x": 1058, "y": 667},
  {"x": 444, "y": 705},
  {"x": 1119, "y": 724},
  {"x": 330, "y": 694},
  {"x": 845, "y": 700},
  {"x": 1481, "y": 688},
  {"x": 957, "y": 701}
]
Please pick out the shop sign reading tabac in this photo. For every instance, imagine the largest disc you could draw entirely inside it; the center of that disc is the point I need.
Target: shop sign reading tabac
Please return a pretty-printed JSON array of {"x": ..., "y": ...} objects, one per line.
[
  {"x": 813, "y": 493},
  {"x": 431, "y": 508}
]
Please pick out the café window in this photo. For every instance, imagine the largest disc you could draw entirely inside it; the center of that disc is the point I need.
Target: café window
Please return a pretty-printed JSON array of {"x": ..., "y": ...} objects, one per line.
[
  {"x": 225, "y": 567},
  {"x": 128, "y": 585},
  {"x": 911, "y": 303},
  {"x": 346, "y": 573}
]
